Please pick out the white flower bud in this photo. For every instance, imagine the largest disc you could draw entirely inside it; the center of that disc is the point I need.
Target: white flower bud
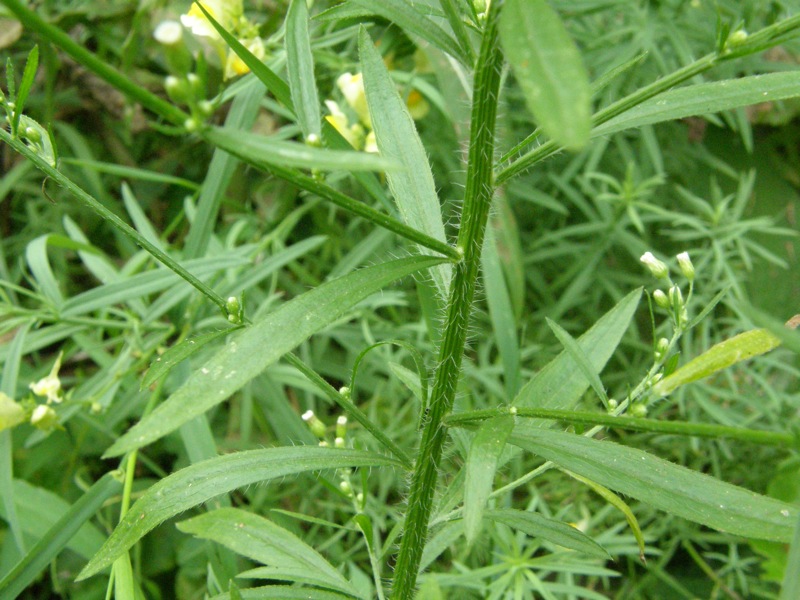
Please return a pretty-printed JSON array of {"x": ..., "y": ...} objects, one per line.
[
  {"x": 656, "y": 267},
  {"x": 661, "y": 299},
  {"x": 676, "y": 297},
  {"x": 168, "y": 33},
  {"x": 316, "y": 426},
  {"x": 44, "y": 417},
  {"x": 686, "y": 266}
]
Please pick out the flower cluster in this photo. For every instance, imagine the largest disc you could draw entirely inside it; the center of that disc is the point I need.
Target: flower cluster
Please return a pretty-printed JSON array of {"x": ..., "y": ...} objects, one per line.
[
  {"x": 230, "y": 15},
  {"x": 358, "y": 131},
  {"x": 41, "y": 416},
  {"x": 672, "y": 300}
]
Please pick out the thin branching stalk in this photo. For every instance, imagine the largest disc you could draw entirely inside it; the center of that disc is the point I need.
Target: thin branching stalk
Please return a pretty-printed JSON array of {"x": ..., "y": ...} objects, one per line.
[{"x": 477, "y": 200}]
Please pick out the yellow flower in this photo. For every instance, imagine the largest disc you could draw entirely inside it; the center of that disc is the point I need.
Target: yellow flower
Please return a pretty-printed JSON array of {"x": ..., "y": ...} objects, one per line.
[
  {"x": 352, "y": 88},
  {"x": 370, "y": 143},
  {"x": 417, "y": 105},
  {"x": 235, "y": 66},
  {"x": 225, "y": 12},
  {"x": 11, "y": 413},
  {"x": 354, "y": 134},
  {"x": 49, "y": 386}
]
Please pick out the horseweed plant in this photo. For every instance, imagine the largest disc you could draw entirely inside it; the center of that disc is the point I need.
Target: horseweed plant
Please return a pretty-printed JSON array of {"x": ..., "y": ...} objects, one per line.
[{"x": 366, "y": 159}]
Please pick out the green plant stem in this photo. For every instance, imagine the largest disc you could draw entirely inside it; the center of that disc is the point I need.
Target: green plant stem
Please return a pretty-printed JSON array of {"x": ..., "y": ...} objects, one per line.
[
  {"x": 89, "y": 201},
  {"x": 756, "y": 42},
  {"x": 352, "y": 205},
  {"x": 756, "y": 436},
  {"x": 32, "y": 21},
  {"x": 477, "y": 200},
  {"x": 350, "y": 408}
]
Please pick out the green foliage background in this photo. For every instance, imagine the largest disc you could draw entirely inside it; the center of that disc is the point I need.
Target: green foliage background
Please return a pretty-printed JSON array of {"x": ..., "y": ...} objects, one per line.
[{"x": 569, "y": 234}]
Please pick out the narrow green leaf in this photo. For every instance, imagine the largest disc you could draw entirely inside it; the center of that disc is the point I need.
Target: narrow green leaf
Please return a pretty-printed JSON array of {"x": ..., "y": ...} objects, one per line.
[
  {"x": 178, "y": 353},
  {"x": 58, "y": 536},
  {"x": 581, "y": 360},
  {"x": 617, "y": 503},
  {"x": 297, "y": 575},
  {"x": 501, "y": 313},
  {"x": 28, "y": 76},
  {"x": 413, "y": 187},
  {"x": 484, "y": 453},
  {"x": 253, "y": 349},
  {"x": 149, "y": 282},
  {"x": 300, "y": 66},
  {"x": 407, "y": 16},
  {"x": 556, "y": 532},
  {"x": 790, "y": 587},
  {"x": 556, "y": 385},
  {"x": 241, "y": 116},
  {"x": 549, "y": 70},
  {"x": 258, "y": 149},
  {"x": 720, "y": 356},
  {"x": 706, "y": 98},
  {"x": 265, "y": 75},
  {"x": 202, "y": 481},
  {"x": 662, "y": 484},
  {"x": 290, "y": 592},
  {"x": 39, "y": 509},
  {"x": 263, "y": 541}
]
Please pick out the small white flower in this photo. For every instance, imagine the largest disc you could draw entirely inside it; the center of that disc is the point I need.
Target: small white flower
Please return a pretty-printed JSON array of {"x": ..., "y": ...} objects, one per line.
[
  {"x": 44, "y": 417},
  {"x": 168, "y": 33},
  {"x": 49, "y": 386},
  {"x": 656, "y": 267},
  {"x": 661, "y": 299},
  {"x": 686, "y": 266}
]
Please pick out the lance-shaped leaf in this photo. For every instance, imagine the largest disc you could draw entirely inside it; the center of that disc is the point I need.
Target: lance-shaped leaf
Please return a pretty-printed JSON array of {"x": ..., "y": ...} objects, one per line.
[
  {"x": 412, "y": 186},
  {"x": 202, "y": 481},
  {"x": 539, "y": 526},
  {"x": 706, "y": 98},
  {"x": 720, "y": 356},
  {"x": 250, "y": 351},
  {"x": 558, "y": 384},
  {"x": 410, "y": 17},
  {"x": 484, "y": 453},
  {"x": 549, "y": 70},
  {"x": 662, "y": 484},
  {"x": 256, "y": 149},
  {"x": 263, "y": 541},
  {"x": 300, "y": 67}
]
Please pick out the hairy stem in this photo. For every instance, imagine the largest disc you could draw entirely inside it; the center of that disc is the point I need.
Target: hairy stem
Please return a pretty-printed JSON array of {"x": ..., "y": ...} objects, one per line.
[{"x": 477, "y": 200}]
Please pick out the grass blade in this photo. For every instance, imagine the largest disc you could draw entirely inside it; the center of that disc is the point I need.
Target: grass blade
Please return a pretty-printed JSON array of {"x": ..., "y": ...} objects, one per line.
[
  {"x": 48, "y": 547},
  {"x": 300, "y": 66},
  {"x": 556, "y": 385},
  {"x": 263, "y": 541},
  {"x": 549, "y": 69},
  {"x": 255, "y": 149},
  {"x": 662, "y": 484},
  {"x": 413, "y": 187},
  {"x": 247, "y": 354},
  {"x": 484, "y": 454},
  {"x": 202, "y": 481},
  {"x": 556, "y": 532},
  {"x": 407, "y": 17},
  {"x": 706, "y": 98}
]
